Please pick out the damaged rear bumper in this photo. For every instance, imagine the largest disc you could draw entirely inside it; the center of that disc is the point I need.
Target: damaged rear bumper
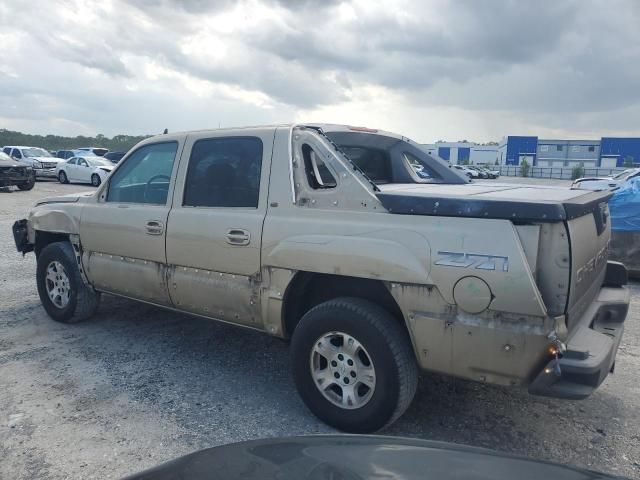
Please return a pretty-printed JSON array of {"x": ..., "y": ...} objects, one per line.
[{"x": 591, "y": 349}]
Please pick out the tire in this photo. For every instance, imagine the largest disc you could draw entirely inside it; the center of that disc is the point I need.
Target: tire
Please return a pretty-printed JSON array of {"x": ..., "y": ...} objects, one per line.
[
  {"x": 382, "y": 338},
  {"x": 95, "y": 180},
  {"x": 62, "y": 177},
  {"x": 29, "y": 184},
  {"x": 81, "y": 300}
]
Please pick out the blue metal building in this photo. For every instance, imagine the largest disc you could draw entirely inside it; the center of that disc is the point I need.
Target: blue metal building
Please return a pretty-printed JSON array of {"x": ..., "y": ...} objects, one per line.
[{"x": 608, "y": 152}]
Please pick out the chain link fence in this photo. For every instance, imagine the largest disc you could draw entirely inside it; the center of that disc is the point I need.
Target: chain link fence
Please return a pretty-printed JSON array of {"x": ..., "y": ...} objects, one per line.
[{"x": 561, "y": 173}]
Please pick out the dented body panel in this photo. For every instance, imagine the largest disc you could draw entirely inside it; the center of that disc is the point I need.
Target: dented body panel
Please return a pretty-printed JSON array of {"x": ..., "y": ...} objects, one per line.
[{"x": 483, "y": 291}]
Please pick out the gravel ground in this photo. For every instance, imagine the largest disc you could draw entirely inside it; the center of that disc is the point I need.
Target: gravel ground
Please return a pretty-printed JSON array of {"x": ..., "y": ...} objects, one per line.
[{"x": 136, "y": 386}]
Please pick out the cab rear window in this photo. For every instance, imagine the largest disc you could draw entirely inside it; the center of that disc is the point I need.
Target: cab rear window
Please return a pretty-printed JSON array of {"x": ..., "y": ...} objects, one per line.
[{"x": 374, "y": 162}]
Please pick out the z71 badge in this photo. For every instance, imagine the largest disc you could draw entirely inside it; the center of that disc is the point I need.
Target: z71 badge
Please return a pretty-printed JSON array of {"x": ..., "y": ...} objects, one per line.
[{"x": 473, "y": 260}]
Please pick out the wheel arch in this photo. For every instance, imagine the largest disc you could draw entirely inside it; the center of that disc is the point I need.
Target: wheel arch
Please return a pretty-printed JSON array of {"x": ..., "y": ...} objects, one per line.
[
  {"x": 47, "y": 225},
  {"x": 308, "y": 289},
  {"x": 44, "y": 238}
]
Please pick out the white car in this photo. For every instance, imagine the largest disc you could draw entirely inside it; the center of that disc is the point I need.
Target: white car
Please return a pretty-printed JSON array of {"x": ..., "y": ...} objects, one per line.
[
  {"x": 43, "y": 163},
  {"x": 467, "y": 171},
  {"x": 612, "y": 182},
  {"x": 87, "y": 169}
]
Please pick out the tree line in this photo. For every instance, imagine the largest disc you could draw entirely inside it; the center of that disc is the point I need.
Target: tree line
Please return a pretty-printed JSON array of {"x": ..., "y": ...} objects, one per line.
[{"x": 120, "y": 143}]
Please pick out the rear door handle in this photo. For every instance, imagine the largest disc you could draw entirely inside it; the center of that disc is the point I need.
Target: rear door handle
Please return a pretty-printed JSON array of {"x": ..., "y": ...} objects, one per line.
[
  {"x": 238, "y": 236},
  {"x": 154, "y": 227}
]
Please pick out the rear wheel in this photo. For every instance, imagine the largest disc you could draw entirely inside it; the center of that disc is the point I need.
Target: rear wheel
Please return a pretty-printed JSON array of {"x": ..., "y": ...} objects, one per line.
[
  {"x": 62, "y": 291},
  {"x": 95, "y": 180},
  {"x": 353, "y": 365},
  {"x": 62, "y": 177}
]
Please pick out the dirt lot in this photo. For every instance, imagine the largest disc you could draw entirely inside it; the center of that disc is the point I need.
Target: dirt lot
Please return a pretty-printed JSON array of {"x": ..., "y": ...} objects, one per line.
[{"x": 136, "y": 386}]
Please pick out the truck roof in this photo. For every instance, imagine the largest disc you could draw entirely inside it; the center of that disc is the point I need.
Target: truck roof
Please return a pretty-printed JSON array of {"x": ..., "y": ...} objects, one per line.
[{"x": 327, "y": 127}]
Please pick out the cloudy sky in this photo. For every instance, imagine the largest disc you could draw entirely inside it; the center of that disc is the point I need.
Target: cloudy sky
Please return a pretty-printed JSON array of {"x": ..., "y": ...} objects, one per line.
[{"x": 431, "y": 69}]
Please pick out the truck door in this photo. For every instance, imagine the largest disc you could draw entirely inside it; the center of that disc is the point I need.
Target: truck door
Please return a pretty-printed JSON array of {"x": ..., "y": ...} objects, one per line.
[
  {"x": 123, "y": 232},
  {"x": 215, "y": 226}
]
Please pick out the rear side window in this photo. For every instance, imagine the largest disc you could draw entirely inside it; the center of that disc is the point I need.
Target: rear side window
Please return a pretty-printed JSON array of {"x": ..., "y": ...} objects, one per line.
[
  {"x": 318, "y": 174},
  {"x": 224, "y": 172},
  {"x": 6, "y": 150},
  {"x": 72, "y": 161},
  {"x": 145, "y": 176},
  {"x": 375, "y": 163}
]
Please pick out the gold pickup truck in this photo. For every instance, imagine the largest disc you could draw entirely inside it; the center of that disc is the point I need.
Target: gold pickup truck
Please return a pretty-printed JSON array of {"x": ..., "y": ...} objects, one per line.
[{"x": 375, "y": 259}]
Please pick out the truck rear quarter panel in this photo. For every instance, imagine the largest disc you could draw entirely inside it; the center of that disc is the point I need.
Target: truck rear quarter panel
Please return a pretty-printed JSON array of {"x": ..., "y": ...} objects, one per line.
[{"x": 420, "y": 259}]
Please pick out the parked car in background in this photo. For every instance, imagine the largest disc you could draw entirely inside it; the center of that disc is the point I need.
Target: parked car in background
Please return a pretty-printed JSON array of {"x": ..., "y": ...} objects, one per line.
[
  {"x": 88, "y": 169},
  {"x": 481, "y": 172},
  {"x": 42, "y": 162},
  {"x": 115, "y": 157},
  {"x": 67, "y": 154},
  {"x": 15, "y": 173},
  {"x": 99, "y": 151},
  {"x": 490, "y": 173},
  {"x": 466, "y": 171},
  {"x": 64, "y": 154},
  {"x": 611, "y": 182}
]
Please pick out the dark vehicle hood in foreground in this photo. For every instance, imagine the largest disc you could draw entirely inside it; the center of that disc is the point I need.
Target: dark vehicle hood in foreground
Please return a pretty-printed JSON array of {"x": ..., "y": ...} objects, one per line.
[
  {"x": 502, "y": 201},
  {"x": 10, "y": 164},
  {"x": 353, "y": 457}
]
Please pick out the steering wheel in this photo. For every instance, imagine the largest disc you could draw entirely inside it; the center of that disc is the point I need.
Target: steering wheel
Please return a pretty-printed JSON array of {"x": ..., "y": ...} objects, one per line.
[{"x": 151, "y": 180}]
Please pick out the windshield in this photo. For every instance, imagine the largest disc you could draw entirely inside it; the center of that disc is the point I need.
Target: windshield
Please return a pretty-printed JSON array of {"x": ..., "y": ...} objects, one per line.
[
  {"x": 35, "y": 152},
  {"x": 98, "y": 162}
]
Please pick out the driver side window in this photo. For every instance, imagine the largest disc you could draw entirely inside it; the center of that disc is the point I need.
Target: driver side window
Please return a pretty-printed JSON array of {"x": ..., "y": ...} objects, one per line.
[{"x": 145, "y": 176}]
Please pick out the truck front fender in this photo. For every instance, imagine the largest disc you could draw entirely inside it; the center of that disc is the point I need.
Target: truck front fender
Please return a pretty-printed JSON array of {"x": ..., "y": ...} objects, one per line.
[
  {"x": 363, "y": 257},
  {"x": 54, "y": 220}
]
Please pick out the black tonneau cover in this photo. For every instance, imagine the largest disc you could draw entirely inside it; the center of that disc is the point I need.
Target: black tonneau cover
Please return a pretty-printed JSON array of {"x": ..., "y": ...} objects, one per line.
[{"x": 510, "y": 202}]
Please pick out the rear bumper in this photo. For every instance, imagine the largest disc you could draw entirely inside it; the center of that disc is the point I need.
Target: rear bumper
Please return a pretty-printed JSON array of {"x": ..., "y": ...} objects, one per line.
[{"x": 591, "y": 349}]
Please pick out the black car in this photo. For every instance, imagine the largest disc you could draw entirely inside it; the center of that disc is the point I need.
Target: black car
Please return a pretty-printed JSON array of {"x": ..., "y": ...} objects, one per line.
[
  {"x": 115, "y": 157},
  {"x": 14, "y": 173},
  {"x": 358, "y": 457},
  {"x": 65, "y": 154}
]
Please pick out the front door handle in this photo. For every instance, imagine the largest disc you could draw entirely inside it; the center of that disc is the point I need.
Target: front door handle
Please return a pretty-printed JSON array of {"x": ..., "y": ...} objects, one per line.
[
  {"x": 154, "y": 227},
  {"x": 238, "y": 236}
]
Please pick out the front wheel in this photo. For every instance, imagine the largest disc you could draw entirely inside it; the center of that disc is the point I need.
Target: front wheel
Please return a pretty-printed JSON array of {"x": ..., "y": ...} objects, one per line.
[
  {"x": 353, "y": 365},
  {"x": 95, "y": 180},
  {"x": 62, "y": 291},
  {"x": 29, "y": 184}
]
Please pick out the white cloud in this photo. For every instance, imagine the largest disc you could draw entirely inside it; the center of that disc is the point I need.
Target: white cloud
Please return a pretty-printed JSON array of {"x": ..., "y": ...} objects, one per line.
[{"x": 429, "y": 69}]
